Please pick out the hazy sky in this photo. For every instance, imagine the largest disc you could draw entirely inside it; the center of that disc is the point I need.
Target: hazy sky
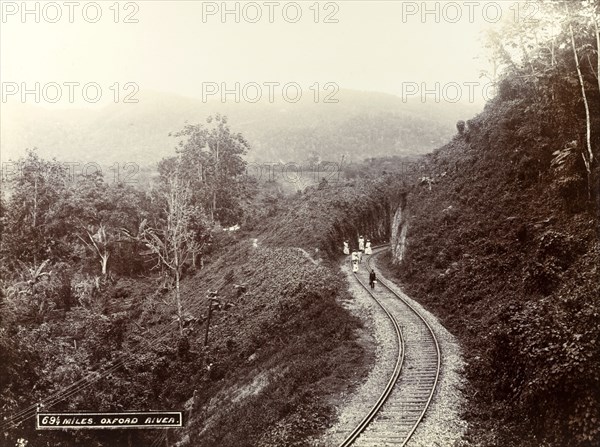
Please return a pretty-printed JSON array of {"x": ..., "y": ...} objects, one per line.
[{"x": 184, "y": 46}]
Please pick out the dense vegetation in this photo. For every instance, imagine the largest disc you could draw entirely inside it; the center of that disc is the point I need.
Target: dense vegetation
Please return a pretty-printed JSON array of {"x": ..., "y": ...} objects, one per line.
[
  {"x": 106, "y": 291},
  {"x": 324, "y": 216},
  {"x": 503, "y": 244}
]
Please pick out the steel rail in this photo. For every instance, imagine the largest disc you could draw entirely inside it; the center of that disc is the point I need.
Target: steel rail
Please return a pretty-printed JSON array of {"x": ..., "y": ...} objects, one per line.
[
  {"x": 391, "y": 382},
  {"x": 383, "y": 398}
]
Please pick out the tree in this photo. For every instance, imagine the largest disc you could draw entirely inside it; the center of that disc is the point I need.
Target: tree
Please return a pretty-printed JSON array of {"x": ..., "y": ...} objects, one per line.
[
  {"x": 212, "y": 163},
  {"x": 99, "y": 242},
  {"x": 173, "y": 240},
  {"x": 83, "y": 208},
  {"x": 31, "y": 297},
  {"x": 28, "y": 235},
  {"x": 589, "y": 158},
  {"x": 547, "y": 56}
]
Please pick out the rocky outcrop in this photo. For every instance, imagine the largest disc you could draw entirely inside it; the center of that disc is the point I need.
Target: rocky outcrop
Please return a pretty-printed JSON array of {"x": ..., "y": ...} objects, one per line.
[{"x": 399, "y": 228}]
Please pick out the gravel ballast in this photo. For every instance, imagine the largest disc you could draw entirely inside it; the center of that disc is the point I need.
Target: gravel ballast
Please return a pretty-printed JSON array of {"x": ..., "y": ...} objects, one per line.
[{"x": 442, "y": 424}]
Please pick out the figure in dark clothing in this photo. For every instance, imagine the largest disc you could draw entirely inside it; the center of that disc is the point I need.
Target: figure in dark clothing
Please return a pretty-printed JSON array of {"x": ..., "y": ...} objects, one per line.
[{"x": 372, "y": 279}]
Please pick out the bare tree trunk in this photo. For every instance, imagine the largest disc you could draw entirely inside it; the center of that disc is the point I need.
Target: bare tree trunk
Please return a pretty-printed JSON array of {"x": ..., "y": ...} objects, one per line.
[
  {"x": 552, "y": 63},
  {"x": 104, "y": 263},
  {"x": 35, "y": 194},
  {"x": 597, "y": 49},
  {"x": 208, "y": 322},
  {"x": 178, "y": 298},
  {"x": 590, "y": 158},
  {"x": 528, "y": 61},
  {"x": 215, "y": 183}
]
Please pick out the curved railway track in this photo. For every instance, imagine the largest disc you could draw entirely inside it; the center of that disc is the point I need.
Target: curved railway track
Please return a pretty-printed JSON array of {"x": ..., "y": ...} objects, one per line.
[{"x": 404, "y": 401}]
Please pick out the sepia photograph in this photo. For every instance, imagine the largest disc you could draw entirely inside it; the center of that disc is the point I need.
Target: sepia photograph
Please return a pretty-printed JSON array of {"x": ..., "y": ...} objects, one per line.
[{"x": 310, "y": 223}]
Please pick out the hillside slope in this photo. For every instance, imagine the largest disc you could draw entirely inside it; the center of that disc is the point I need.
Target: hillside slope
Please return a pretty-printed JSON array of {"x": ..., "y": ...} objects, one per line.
[
  {"x": 282, "y": 346},
  {"x": 502, "y": 243}
]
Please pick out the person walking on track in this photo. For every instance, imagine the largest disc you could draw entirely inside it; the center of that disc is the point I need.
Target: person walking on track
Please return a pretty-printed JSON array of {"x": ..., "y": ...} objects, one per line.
[{"x": 372, "y": 279}]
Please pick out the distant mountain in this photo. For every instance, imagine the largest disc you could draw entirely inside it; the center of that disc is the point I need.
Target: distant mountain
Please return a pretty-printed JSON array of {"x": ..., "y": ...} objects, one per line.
[{"x": 360, "y": 125}]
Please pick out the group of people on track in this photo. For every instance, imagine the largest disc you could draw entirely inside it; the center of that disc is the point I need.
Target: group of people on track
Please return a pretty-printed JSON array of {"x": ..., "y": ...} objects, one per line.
[{"x": 364, "y": 247}]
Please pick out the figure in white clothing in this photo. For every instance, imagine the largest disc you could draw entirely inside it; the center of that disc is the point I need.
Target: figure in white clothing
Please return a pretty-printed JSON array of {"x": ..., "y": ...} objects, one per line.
[
  {"x": 361, "y": 243},
  {"x": 354, "y": 256},
  {"x": 368, "y": 249},
  {"x": 354, "y": 266},
  {"x": 346, "y": 248}
]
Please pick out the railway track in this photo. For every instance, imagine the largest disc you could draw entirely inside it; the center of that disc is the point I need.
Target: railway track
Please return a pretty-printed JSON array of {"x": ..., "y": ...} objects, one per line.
[{"x": 404, "y": 401}]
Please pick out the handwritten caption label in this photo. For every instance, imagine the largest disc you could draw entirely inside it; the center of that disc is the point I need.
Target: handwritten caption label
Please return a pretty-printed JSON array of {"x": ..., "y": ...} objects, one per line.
[{"x": 148, "y": 419}]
